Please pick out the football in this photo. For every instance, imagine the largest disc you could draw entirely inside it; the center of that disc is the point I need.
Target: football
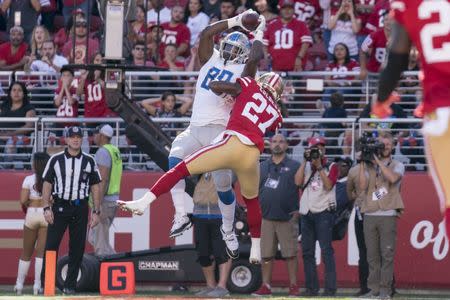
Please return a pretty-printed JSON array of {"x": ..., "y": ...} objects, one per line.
[{"x": 250, "y": 21}]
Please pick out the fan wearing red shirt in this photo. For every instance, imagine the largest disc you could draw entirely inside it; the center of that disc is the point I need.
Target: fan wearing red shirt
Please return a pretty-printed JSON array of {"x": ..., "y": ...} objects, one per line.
[
  {"x": 12, "y": 54},
  {"x": 176, "y": 32},
  {"x": 169, "y": 61},
  {"x": 376, "y": 19},
  {"x": 424, "y": 23},
  {"x": 374, "y": 47},
  {"x": 309, "y": 12},
  {"x": 288, "y": 40},
  {"x": 66, "y": 99}
]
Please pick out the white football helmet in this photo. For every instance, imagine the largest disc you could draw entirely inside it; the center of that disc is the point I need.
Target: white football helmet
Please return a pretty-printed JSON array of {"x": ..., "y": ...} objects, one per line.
[
  {"x": 234, "y": 48},
  {"x": 273, "y": 83}
]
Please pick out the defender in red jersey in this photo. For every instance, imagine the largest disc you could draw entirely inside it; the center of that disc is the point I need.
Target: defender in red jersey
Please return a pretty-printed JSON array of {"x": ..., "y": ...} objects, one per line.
[{"x": 427, "y": 25}]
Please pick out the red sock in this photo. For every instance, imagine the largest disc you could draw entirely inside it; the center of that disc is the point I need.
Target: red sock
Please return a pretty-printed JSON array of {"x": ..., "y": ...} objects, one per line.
[
  {"x": 253, "y": 216},
  {"x": 447, "y": 221},
  {"x": 169, "y": 179}
]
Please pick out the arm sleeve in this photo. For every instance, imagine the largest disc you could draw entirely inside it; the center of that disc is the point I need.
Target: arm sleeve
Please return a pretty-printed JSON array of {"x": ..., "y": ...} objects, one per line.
[{"x": 103, "y": 158}]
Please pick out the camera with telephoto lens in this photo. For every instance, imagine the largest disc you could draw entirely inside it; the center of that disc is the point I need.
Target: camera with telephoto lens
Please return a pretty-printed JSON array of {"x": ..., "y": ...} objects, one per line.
[
  {"x": 370, "y": 146},
  {"x": 312, "y": 153}
]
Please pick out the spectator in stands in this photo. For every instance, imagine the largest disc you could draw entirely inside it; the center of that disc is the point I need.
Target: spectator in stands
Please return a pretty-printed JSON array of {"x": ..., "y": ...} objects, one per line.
[
  {"x": 138, "y": 27},
  {"x": 334, "y": 130},
  {"x": 176, "y": 32},
  {"x": 195, "y": 19},
  {"x": 212, "y": 8},
  {"x": 374, "y": 47},
  {"x": 317, "y": 217},
  {"x": 71, "y": 6},
  {"x": 16, "y": 105},
  {"x": 22, "y": 13},
  {"x": 317, "y": 55},
  {"x": 378, "y": 15},
  {"x": 48, "y": 12},
  {"x": 138, "y": 55},
  {"x": 78, "y": 53},
  {"x": 91, "y": 85},
  {"x": 38, "y": 37},
  {"x": 288, "y": 40},
  {"x": 364, "y": 8},
  {"x": 12, "y": 54},
  {"x": 341, "y": 63},
  {"x": 164, "y": 13},
  {"x": 382, "y": 204},
  {"x": 208, "y": 239},
  {"x": 49, "y": 62},
  {"x": 154, "y": 45},
  {"x": 344, "y": 26},
  {"x": 266, "y": 10},
  {"x": 309, "y": 12},
  {"x": 278, "y": 196},
  {"x": 227, "y": 9},
  {"x": 66, "y": 99},
  {"x": 329, "y": 8},
  {"x": 35, "y": 226},
  {"x": 167, "y": 105},
  {"x": 169, "y": 61},
  {"x": 64, "y": 34}
]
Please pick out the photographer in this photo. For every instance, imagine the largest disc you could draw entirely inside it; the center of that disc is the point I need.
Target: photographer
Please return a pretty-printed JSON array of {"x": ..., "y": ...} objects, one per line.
[
  {"x": 381, "y": 203},
  {"x": 317, "y": 206}
]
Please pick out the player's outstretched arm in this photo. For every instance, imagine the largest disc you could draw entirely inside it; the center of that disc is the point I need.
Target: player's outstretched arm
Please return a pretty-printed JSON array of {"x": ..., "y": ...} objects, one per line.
[
  {"x": 256, "y": 52},
  {"x": 222, "y": 88},
  {"x": 398, "y": 57}
]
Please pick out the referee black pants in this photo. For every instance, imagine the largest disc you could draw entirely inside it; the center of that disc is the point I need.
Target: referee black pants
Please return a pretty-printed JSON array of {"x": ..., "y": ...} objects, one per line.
[{"x": 75, "y": 217}]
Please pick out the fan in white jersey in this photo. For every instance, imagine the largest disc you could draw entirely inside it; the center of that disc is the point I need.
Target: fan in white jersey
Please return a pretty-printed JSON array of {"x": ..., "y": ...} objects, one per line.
[{"x": 210, "y": 114}]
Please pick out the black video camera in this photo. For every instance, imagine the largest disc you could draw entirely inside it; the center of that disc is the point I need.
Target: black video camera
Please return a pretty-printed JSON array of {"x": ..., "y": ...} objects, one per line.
[
  {"x": 370, "y": 146},
  {"x": 312, "y": 153}
]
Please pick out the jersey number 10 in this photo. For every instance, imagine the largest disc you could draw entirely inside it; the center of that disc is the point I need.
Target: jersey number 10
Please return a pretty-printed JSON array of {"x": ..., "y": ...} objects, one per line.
[{"x": 252, "y": 110}]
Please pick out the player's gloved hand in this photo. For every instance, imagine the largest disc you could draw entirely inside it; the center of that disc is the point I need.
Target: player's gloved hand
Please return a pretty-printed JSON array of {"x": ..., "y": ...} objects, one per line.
[
  {"x": 383, "y": 109},
  {"x": 259, "y": 31},
  {"x": 237, "y": 21}
]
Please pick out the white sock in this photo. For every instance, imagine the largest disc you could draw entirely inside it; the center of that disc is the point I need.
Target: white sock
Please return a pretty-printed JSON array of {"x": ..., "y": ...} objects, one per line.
[
  {"x": 177, "y": 193},
  {"x": 22, "y": 272},
  {"x": 227, "y": 215},
  {"x": 37, "y": 271}
]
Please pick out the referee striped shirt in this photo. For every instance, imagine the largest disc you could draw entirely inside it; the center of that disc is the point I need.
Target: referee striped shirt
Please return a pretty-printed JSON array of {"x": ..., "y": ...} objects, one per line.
[{"x": 71, "y": 176}]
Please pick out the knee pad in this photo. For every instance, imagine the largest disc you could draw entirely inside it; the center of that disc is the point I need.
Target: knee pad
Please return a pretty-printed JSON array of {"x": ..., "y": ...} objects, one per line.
[
  {"x": 204, "y": 261},
  {"x": 226, "y": 197},
  {"x": 222, "y": 180},
  {"x": 173, "y": 161}
]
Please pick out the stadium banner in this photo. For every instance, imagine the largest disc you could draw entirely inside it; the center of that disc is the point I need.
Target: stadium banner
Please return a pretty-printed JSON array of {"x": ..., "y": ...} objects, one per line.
[{"x": 422, "y": 258}]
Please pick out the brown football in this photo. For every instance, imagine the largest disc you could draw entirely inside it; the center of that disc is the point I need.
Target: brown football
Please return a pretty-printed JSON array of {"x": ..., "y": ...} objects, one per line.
[{"x": 250, "y": 21}]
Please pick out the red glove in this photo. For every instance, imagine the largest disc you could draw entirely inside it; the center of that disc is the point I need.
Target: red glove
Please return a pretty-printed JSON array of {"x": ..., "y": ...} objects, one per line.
[{"x": 383, "y": 110}]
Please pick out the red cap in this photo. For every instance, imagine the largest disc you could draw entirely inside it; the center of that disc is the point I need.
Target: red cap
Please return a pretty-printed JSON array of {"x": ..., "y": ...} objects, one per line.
[
  {"x": 316, "y": 140},
  {"x": 284, "y": 3}
]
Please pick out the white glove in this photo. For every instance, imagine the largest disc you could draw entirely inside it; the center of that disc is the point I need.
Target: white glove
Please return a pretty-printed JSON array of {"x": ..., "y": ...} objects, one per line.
[
  {"x": 259, "y": 31},
  {"x": 237, "y": 21}
]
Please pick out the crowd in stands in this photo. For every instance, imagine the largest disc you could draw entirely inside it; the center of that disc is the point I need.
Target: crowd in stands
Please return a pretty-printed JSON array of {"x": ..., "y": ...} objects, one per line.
[{"x": 301, "y": 35}]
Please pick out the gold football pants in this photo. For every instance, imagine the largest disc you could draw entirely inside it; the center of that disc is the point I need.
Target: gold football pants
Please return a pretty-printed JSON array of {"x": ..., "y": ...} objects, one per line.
[{"x": 229, "y": 153}]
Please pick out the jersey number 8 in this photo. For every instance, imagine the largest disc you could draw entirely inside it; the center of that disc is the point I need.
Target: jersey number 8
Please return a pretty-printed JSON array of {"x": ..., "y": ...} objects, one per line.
[{"x": 215, "y": 73}]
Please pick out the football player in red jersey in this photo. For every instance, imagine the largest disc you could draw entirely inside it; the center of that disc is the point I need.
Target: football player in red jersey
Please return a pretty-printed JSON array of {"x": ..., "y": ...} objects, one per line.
[
  {"x": 254, "y": 113},
  {"x": 427, "y": 25}
]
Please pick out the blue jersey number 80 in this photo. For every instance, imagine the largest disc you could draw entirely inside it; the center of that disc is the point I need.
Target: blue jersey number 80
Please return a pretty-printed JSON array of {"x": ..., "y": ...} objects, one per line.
[{"x": 216, "y": 73}]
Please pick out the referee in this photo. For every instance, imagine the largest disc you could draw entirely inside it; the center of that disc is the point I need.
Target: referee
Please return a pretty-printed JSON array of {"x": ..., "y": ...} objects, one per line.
[{"x": 68, "y": 178}]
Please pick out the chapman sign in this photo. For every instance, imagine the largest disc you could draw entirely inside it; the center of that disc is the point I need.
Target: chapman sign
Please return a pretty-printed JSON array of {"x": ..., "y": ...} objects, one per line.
[{"x": 422, "y": 259}]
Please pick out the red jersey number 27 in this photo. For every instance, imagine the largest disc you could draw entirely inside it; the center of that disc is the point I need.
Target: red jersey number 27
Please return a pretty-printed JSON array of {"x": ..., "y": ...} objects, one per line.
[
  {"x": 434, "y": 30},
  {"x": 252, "y": 110}
]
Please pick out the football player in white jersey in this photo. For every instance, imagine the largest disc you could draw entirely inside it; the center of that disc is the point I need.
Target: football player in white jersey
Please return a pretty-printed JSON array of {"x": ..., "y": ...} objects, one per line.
[{"x": 210, "y": 114}]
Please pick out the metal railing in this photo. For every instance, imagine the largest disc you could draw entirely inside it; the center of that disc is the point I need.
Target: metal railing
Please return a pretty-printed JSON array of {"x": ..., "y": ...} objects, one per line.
[
  {"x": 47, "y": 134},
  {"x": 299, "y": 98}
]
